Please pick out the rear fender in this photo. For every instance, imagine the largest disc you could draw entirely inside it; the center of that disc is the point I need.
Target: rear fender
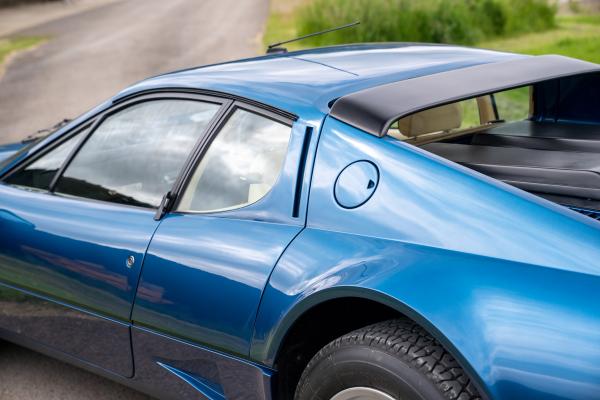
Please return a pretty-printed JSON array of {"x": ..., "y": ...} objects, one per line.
[{"x": 518, "y": 329}]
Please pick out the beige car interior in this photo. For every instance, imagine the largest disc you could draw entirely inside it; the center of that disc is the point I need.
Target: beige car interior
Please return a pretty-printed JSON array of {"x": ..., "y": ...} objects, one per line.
[
  {"x": 443, "y": 122},
  {"x": 496, "y": 136},
  {"x": 256, "y": 191}
]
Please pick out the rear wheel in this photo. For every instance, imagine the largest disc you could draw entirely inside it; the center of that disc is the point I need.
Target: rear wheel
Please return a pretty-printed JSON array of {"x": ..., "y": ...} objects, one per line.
[{"x": 390, "y": 360}]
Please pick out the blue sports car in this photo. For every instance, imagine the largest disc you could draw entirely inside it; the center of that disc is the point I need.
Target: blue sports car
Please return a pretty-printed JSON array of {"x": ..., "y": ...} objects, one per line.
[{"x": 397, "y": 221}]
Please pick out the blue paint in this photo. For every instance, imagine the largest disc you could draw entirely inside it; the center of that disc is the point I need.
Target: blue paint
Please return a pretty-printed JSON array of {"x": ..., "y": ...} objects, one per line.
[
  {"x": 102, "y": 342},
  {"x": 205, "y": 275},
  {"x": 507, "y": 281},
  {"x": 171, "y": 368},
  {"x": 7, "y": 150},
  {"x": 208, "y": 389},
  {"x": 220, "y": 258},
  {"x": 73, "y": 251},
  {"x": 355, "y": 185},
  {"x": 590, "y": 213},
  {"x": 296, "y": 83}
]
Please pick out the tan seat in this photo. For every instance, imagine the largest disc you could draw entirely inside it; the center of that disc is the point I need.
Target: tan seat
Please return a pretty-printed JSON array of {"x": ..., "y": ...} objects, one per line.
[{"x": 438, "y": 119}]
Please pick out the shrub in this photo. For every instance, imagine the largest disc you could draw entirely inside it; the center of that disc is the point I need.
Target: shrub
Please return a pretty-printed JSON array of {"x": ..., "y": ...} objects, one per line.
[
  {"x": 438, "y": 21},
  {"x": 10, "y": 3}
]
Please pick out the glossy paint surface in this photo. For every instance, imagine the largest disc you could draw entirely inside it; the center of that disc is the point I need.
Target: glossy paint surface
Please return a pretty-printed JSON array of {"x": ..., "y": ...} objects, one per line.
[
  {"x": 8, "y": 150},
  {"x": 32, "y": 148},
  {"x": 305, "y": 82},
  {"x": 73, "y": 251},
  {"x": 203, "y": 278},
  {"x": 355, "y": 185},
  {"x": 506, "y": 280},
  {"x": 172, "y": 369},
  {"x": 99, "y": 341},
  {"x": 219, "y": 263}
]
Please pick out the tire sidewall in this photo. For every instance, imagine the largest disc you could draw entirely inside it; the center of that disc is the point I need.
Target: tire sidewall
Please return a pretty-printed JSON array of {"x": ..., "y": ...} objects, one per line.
[{"x": 356, "y": 365}]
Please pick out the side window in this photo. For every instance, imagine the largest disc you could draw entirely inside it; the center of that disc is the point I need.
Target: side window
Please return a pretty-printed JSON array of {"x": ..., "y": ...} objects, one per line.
[
  {"x": 514, "y": 104},
  {"x": 135, "y": 155},
  {"x": 241, "y": 165},
  {"x": 39, "y": 174},
  {"x": 462, "y": 116}
]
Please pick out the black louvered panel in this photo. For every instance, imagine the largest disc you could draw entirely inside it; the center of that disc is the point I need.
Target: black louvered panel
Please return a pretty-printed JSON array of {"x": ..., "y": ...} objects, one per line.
[{"x": 590, "y": 213}]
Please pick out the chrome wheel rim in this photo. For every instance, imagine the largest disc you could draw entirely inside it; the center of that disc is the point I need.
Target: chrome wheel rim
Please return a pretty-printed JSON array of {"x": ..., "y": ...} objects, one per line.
[{"x": 362, "y": 393}]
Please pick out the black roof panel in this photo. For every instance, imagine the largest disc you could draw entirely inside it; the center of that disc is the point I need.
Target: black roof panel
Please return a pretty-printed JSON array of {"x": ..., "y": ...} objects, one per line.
[{"x": 376, "y": 108}]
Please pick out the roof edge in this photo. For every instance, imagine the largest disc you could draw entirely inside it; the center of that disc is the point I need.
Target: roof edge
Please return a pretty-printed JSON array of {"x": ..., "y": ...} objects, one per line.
[{"x": 373, "y": 110}]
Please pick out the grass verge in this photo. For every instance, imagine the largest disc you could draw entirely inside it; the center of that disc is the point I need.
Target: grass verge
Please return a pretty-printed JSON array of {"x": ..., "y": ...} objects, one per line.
[
  {"x": 281, "y": 24},
  {"x": 13, "y": 45},
  {"x": 440, "y": 21},
  {"x": 574, "y": 36}
]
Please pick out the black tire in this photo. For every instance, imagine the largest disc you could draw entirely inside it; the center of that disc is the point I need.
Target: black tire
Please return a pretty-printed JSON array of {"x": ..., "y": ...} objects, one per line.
[{"x": 396, "y": 357}]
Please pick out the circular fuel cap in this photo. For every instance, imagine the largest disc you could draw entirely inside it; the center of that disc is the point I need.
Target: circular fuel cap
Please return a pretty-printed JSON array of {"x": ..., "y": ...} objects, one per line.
[{"x": 356, "y": 184}]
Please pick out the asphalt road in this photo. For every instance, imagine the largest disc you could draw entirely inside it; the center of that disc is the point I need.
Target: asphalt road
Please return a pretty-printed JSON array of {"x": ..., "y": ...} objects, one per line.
[
  {"x": 94, "y": 54},
  {"x": 90, "y": 57},
  {"x": 25, "y": 375}
]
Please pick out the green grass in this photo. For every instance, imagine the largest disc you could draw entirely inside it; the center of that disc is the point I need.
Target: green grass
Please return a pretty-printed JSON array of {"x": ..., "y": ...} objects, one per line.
[
  {"x": 439, "y": 21},
  {"x": 10, "y": 46},
  {"x": 575, "y": 36},
  {"x": 512, "y": 105},
  {"x": 281, "y": 24}
]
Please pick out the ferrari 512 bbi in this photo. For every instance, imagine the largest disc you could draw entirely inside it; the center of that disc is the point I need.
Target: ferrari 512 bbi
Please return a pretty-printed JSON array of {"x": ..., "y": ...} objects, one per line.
[{"x": 359, "y": 222}]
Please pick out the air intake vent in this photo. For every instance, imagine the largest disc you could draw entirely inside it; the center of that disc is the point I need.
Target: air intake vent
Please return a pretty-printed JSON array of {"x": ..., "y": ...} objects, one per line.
[{"x": 590, "y": 213}]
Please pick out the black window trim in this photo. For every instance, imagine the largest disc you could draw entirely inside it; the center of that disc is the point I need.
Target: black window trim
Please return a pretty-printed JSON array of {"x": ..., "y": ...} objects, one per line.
[
  {"x": 72, "y": 154},
  {"x": 228, "y": 104},
  {"x": 92, "y": 124},
  {"x": 122, "y": 106},
  {"x": 287, "y": 120},
  {"x": 213, "y": 93},
  {"x": 27, "y": 161},
  {"x": 376, "y": 108},
  {"x": 143, "y": 98}
]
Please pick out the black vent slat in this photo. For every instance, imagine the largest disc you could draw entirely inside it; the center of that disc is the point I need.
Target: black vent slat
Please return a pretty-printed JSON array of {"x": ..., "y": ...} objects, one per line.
[{"x": 595, "y": 214}]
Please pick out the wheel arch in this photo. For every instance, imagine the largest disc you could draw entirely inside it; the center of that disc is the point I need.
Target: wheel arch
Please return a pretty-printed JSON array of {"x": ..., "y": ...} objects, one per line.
[{"x": 325, "y": 303}]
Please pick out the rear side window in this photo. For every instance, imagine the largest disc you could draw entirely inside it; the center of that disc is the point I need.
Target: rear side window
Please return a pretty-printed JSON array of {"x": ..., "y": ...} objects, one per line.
[
  {"x": 241, "y": 165},
  {"x": 462, "y": 116},
  {"x": 40, "y": 173},
  {"x": 513, "y": 105},
  {"x": 135, "y": 155}
]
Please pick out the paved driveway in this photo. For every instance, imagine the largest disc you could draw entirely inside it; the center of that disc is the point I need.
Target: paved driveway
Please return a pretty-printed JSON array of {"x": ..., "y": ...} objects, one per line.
[
  {"x": 94, "y": 54},
  {"x": 25, "y": 375},
  {"x": 90, "y": 57}
]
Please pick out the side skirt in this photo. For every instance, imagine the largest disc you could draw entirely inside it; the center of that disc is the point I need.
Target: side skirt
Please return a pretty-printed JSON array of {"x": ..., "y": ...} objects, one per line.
[
  {"x": 165, "y": 367},
  {"x": 173, "y": 369},
  {"x": 46, "y": 323}
]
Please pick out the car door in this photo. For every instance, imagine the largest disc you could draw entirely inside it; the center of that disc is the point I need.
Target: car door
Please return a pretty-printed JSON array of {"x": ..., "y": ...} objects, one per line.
[
  {"x": 211, "y": 257},
  {"x": 76, "y": 222}
]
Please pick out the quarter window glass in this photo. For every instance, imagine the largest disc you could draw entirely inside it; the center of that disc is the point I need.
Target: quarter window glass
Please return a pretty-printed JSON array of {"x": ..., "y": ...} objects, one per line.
[
  {"x": 40, "y": 173},
  {"x": 464, "y": 116},
  {"x": 513, "y": 105},
  {"x": 134, "y": 156},
  {"x": 241, "y": 165}
]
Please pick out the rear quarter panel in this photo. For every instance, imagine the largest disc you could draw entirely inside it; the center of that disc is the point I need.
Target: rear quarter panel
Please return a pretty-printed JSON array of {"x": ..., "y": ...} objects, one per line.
[{"x": 507, "y": 281}]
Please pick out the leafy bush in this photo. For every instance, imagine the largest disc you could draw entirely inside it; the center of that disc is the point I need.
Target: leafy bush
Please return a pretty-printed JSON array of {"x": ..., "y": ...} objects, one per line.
[
  {"x": 10, "y": 3},
  {"x": 438, "y": 21}
]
